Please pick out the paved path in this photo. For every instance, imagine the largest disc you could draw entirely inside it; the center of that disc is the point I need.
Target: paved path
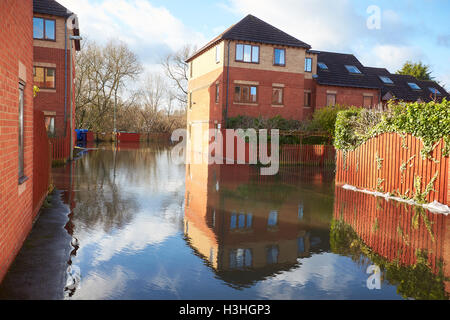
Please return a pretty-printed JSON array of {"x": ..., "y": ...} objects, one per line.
[{"x": 39, "y": 270}]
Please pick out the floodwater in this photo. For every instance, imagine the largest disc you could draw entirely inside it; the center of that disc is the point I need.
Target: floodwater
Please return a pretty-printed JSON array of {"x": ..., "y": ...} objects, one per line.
[{"x": 144, "y": 227}]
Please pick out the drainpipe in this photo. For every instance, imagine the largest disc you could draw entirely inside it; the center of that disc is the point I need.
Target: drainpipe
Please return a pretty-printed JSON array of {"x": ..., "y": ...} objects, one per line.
[
  {"x": 228, "y": 76},
  {"x": 65, "y": 77},
  {"x": 71, "y": 95}
]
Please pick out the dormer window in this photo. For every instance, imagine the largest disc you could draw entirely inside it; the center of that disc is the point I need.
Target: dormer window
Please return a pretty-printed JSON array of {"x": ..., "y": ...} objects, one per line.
[
  {"x": 322, "y": 66},
  {"x": 434, "y": 91},
  {"x": 413, "y": 86},
  {"x": 386, "y": 80},
  {"x": 353, "y": 69}
]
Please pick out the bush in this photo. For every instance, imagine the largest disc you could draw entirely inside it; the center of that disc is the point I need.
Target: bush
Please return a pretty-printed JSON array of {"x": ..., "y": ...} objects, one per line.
[
  {"x": 277, "y": 122},
  {"x": 324, "y": 119},
  {"x": 428, "y": 121}
]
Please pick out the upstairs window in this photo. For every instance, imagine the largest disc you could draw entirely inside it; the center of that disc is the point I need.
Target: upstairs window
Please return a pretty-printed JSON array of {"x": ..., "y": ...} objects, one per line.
[
  {"x": 413, "y": 86},
  {"x": 279, "y": 57},
  {"x": 44, "y": 78},
  {"x": 217, "y": 54},
  {"x": 44, "y": 29},
  {"x": 353, "y": 69},
  {"x": 308, "y": 64},
  {"x": 386, "y": 80},
  {"x": 322, "y": 66},
  {"x": 247, "y": 53},
  {"x": 245, "y": 94},
  {"x": 434, "y": 91}
]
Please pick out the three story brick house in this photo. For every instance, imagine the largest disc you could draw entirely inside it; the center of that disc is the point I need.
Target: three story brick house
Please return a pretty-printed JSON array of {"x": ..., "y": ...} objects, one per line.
[
  {"x": 255, "y": 69},
  {"x": 53, "y": 24}
]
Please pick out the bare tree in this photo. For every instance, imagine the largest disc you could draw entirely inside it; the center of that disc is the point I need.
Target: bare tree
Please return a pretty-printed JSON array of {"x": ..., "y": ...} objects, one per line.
[
  {"x": 102, "y": 72},
  {"x": 177, "y": 71}
]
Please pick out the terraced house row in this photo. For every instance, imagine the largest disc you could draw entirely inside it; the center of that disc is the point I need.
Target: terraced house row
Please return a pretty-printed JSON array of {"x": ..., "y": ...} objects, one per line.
[
  {"x": 255, "y": 69},
  {"x": 36, "y": 50}
]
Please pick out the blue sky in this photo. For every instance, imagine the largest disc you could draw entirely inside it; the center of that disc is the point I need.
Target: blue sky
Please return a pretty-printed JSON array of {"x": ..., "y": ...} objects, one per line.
[{"x": 409, "y": 30}]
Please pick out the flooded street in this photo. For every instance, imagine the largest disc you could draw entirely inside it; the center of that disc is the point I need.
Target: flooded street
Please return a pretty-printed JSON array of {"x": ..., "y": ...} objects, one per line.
[{"x": 143, "y": 227}]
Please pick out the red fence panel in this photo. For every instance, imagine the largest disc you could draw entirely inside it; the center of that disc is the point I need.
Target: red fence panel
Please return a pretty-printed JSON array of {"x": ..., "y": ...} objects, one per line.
[
  {"x": 41, "y": 161},
  {"x": 316, "y": 155},
  {"x": 391, "y": 163}
]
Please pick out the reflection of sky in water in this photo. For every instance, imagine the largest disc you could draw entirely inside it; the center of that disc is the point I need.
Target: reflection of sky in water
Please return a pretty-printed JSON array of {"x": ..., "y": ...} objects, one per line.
[{"x": 147, "y": 256}]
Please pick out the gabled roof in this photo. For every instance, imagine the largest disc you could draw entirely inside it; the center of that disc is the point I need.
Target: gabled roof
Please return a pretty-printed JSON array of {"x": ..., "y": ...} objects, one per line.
[
  {"x": 338, "y": 75},
  {"x": 256, "y": 30},
  {"x": 50, "y": 7}
]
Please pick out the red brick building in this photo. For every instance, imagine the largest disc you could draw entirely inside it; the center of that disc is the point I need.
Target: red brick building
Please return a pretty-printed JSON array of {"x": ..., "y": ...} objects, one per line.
[
  {"x": 16, "y": 127},
  {"x": 257, "y": 70},
  {"x": 53, "y": 25}
]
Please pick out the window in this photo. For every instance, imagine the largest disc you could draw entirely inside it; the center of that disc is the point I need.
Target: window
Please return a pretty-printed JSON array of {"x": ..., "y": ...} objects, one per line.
[
  {"x": 353, "y": 69},
  {"x": 308, "y": 64},
  {"x": 50, "y": 125},
  {"x": 279, "y": 57},
  {"x": 44, "y": 78},
  {"x": 434, "y": 90},
  {"x": 247, "y": 53},
  {"x": 331, "y": 99},
  {"x": 273, "y": 219},
  {"x": 367, "y": 101},
  {"x": 245, "y": 94},
  {"x": 190, "y": 100},
  {"x": 240, "y": 258},
  {"x": 272, "y": 254},
  {"x": 217, "y": 92},
  {"x": 307, "y": 99},
  {"x": 217, "y": 54},
  {"x": 300, "y": 211},
  {"x": 300, "y": 245},
  {"x": 322, "y": 66},
  {"x": 44, "y": 29},
  {"x": 241, "y": 221},
  {"x": 413, "y": 86},
  {"x": 277, "y": 96},
  {"x": 386, "y": 80},
  {"x": 21, "y": 142}
]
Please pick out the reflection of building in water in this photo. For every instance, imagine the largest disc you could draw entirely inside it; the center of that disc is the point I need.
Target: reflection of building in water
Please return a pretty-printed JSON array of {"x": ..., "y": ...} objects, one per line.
[
  {"x": 397, "y": 235},
  {"x": 247, "y": 230}
]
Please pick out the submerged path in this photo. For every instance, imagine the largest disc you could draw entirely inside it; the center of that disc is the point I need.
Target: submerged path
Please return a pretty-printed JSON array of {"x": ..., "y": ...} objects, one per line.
[{"x": 39, "y": 270}]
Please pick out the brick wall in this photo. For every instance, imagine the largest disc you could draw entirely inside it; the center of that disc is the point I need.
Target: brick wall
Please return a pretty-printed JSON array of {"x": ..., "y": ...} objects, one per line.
[
  {"x": 16, "y": 60},
  {"x": 53, "y": 99},
  {"x": 293, "y": 94},
  {"x": 344, "y": 95}
]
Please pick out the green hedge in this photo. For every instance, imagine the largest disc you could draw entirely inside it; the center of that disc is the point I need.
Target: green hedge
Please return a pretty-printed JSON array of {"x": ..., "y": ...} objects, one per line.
[{"x": 428, "y": 121}]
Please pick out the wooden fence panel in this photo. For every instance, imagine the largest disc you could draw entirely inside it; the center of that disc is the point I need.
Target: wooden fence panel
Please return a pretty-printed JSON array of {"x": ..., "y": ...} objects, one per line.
[
  {"x": 390, "y": 163},
  {"x": 41, "y": 161}
]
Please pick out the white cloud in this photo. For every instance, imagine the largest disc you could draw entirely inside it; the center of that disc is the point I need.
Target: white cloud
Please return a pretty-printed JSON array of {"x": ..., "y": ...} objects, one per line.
[
  {"x": 150, "y": 31},
  {"x": 391, "y": 57},
  {"x": 336, "y": 25}
]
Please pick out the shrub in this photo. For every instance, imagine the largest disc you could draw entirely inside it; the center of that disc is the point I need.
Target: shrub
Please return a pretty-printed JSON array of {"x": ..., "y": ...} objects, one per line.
[
  {"x": 324, "y": 119},
  {"x": 428, "y": 121}
]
